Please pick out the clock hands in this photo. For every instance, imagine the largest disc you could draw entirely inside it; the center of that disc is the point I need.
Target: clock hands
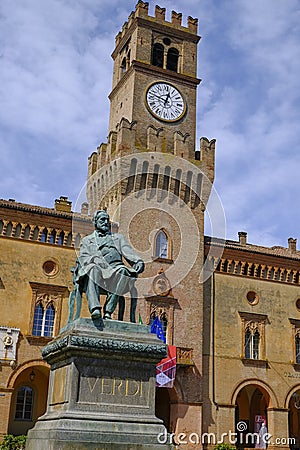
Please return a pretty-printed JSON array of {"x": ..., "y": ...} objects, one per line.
[
  {"x": 165, "y": 102},
  {"x": 155, "y": 95},
  {"x": 161, "y": 99},
  {"x": 167, "y": 98}
]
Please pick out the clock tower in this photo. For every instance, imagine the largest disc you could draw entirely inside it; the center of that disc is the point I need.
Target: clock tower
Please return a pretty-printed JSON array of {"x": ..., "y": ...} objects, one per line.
[
  {"x": 155, "y": 184},
  {"x": 155, "y": 79}
]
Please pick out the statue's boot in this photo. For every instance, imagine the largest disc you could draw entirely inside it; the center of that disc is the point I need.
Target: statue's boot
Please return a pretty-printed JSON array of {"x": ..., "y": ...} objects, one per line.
[{"x": 96, "y": 313}]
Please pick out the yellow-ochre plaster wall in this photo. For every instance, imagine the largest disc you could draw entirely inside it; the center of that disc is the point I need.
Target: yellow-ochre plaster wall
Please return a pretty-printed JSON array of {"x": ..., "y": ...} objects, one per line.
[
  {"x": 278, "y": 302},
  {"x": 226, "y": 372},
  {"x": 21, "y": 264}
]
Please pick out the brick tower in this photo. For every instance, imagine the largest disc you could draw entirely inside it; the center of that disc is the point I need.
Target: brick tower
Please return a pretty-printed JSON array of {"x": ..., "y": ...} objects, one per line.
[{"x": 156, "y": 185}]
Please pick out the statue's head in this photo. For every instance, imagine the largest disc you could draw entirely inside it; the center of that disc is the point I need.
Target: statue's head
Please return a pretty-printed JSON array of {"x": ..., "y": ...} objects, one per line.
[{"x": 101, "y": 221}]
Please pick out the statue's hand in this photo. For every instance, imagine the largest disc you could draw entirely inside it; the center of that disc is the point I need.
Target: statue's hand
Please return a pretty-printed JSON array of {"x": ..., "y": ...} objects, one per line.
[
  {"x": 99, "y": 262},
  {"x": 139, "y": 266}
]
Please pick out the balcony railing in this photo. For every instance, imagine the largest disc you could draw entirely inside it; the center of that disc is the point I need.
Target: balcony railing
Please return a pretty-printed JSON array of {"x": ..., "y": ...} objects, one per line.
[{"x": 184, "y": 356}]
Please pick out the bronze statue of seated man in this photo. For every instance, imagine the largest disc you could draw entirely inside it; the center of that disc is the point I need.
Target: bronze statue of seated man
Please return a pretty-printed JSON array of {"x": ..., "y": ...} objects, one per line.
[{"x": 100, "y": 267}]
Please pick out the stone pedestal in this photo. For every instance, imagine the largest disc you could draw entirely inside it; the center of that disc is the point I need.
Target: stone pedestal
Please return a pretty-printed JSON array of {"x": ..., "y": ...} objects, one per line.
[{"x": 101, "y": 389}]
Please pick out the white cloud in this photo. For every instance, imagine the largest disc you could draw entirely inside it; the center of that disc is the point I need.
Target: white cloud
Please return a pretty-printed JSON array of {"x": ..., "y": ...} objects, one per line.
[
  {"x": 56, "y": 75},
  {"x": 254, "y": 114}
]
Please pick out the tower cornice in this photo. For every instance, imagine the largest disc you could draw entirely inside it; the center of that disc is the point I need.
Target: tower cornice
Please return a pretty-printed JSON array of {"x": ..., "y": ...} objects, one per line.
[{"x": 164, "y": 74}]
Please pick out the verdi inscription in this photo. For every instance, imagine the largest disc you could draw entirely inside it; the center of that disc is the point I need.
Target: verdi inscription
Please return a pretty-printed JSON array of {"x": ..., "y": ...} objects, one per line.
[
  {"x": 107, "y": 390},
  {"x": 102, "y": 384}
]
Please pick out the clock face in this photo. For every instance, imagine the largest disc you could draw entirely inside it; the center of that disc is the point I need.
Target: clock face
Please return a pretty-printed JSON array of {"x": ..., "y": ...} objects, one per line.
[{"x": 165, "y": 102}]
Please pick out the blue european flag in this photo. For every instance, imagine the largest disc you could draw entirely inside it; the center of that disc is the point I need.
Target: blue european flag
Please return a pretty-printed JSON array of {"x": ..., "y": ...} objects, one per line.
[{"x": 156, "y": 328}]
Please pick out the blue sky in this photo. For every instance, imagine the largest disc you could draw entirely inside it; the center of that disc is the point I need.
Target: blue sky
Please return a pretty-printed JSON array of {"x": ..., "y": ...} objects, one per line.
[{"x": 55, "y": 76}]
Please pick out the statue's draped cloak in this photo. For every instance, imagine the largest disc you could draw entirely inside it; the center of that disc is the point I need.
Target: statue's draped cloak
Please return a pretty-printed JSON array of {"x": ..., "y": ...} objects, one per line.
[{"x": 100, "y": 258}]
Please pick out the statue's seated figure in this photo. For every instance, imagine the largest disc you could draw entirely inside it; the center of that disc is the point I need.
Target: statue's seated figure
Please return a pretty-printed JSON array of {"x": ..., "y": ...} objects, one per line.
[{"x": 100, "y": 269}]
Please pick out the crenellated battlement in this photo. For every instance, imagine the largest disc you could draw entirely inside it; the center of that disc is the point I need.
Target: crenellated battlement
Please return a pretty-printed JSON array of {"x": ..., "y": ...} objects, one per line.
[
  {"x": 121, "y": 146},
  {"x": 142, "y": 11},
  {"x": 124, "y": 142},
  {"x": 154, "y": 175}
]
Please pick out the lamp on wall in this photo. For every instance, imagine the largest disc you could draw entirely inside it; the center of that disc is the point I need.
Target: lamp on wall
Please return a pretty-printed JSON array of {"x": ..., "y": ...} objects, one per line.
[{"x": 32, "y": 375}]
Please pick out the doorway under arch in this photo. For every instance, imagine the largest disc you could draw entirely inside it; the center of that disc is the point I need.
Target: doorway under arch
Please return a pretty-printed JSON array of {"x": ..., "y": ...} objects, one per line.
[
  {"x": 294, "y": 418},
  {"x": 29, "y": 399},
  {"x": 252, "y": 403}
]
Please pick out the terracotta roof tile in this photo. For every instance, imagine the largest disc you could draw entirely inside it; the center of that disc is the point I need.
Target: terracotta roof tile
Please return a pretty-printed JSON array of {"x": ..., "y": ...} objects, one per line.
[
  {"x": 12, "y": 204},
  {"x": 274, "y": 251}
]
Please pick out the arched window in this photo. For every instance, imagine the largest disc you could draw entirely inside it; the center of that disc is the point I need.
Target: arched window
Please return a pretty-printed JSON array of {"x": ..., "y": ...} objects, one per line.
[
  {"x": 164, "y": 322},
  {"x": 38, "y": 320},
  {"x": 18, "y": 230},
  {"x": 8, "y": 229},
  {"x": 52, "y": 237},
  {"x": 44, "y": 235},
  {"x": 123, "y": 65},
  {"x": 172, "y": 59},
  {"x": 297, "y": 345},
  {"x": 158, "y": 55},
  {"x": 49, "y": 321},
  {"x": 128, "y": 59},
  {"x": 255, "y": 346},
  {"x": 161, "y": 245},
  {"x": 24, "y": 403},
  {"x": 35, "y": 233},
  {"x": 247, "y": 344},
  {"x": 252, "y": 344},
  {"x": 61, "y": 237},
  {"x": 26, "y": 232},
  {"x": 43, "y": 321},
  {"x": 69, "y": 239}
]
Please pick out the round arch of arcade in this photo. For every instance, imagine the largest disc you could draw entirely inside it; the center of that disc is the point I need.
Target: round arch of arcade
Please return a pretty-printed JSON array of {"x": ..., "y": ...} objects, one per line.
[
  {"x": 273, "y": 401},
  {"x": 253, "y": 399},
  {"x": 25, "y": 366},
  {"x": 29, "y": 390},
  {"x": 292, "y": 405},
  {"x": 294, "y": 390}
]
